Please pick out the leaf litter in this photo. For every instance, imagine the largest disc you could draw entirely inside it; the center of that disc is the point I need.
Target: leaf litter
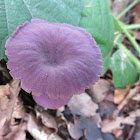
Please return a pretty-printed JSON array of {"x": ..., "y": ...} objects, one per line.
[{"x": 106, "y": 116}]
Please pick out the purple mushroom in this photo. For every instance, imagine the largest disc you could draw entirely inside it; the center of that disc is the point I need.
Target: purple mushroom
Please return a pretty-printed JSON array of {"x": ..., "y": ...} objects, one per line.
[{"x": 53, "y": 61}]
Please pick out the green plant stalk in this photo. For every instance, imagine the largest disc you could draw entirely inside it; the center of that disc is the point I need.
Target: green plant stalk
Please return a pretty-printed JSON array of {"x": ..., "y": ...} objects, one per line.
[
  {"x": 131, "y": 57},
  {"x": 127, "y": 9},
  {"x": 130, "y": 37},
  {"x": 132, "y": 26}
]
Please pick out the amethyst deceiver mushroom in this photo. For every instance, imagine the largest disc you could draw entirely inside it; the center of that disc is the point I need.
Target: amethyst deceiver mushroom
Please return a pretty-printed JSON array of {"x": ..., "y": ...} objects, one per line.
[{"x": 53, "y": 61}]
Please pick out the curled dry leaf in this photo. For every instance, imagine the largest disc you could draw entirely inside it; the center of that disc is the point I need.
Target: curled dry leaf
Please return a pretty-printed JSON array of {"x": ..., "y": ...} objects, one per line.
[
  {"x": 4, "y": 93},
  {"x": 60, "y": 115},
  {"x": 47, "y": 119},
  {"x": 8, "y": 96},
  {"x": 100, "y": 90},
  {"x": 38, "y": 130},
  {"x": 82, "y": 105},
  {"x": 110, "y": 125},
  {"x": 17, "y": 132},
  {"x": 19, "y": 110},
  {"x": 119, "y": 94}
]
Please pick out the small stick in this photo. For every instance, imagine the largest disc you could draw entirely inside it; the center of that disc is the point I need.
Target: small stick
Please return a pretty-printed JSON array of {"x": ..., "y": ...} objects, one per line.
[{"x": 131, "y": 94}]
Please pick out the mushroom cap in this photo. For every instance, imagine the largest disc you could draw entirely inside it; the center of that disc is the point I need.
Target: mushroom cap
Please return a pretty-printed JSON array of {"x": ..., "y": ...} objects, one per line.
[
  {"x": 46, "y": 102},
  {"x": 54, "y": 58}
]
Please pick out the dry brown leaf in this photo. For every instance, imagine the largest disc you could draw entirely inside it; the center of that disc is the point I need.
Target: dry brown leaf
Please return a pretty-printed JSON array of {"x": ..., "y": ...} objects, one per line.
[
  {"x": 47, "y": 119},
  {"x": 137, "y": 97},
  {"x": 133, "y": 92},
  {"x": 21, "y": 135},
  {"x": 117, "y": 132},
  {"x": 38, "y": 130},
  {"x": 119, "y": 94},
  {"x": 8, "y": 95},
  {"x": 136, "y": 35},
  {"x": 137, "y": 130},
  {"x": 82, "y": 105},
  {"x": 19, "y": 110},
  {"x": 100, "y": 90},
  {"x": 17, "y": 132},
  {"x": 136, "y": 13},
  {"x": 4, "y": 93},
  {"x": 60, "y": 115},
  {"x": 118, "y": 6},
  {"x": 59, "y": 112},
  {"x": 110, "y": 98},
  {"x": 106, "y": 109},
  {"x": 108, "y": 126},
  {"x": 74, "y": 131},
  {"x": 88, "y": 128}
]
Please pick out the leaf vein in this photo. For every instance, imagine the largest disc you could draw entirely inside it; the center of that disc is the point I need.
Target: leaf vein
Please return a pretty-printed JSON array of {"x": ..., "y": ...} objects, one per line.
[{"x": 6, "y": 15}]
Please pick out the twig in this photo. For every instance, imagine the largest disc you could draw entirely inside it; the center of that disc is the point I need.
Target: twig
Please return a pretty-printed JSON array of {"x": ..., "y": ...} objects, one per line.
[
  {"x": 131, "y": 94},
  {"x": 132, "y": 26},
  {"x": 127, "y": 9},
  {"x": 130, "y": 37}
]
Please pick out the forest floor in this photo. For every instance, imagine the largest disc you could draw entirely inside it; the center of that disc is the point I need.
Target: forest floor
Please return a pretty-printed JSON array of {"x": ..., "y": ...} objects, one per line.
[{"x": 101, "y": 113}]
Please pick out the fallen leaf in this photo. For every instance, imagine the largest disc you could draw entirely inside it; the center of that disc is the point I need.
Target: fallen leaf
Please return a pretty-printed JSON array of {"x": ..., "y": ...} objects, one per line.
[
  {"x": 87, "y": 127},
  {"x": 133, "y": 92},
  {"x": 74, "y": 131},
  {"x": 118, "y": 6},
  {"x": 8, "y": 96},
  {"x": 60, "y": 114},
  {"x": 128, "y": 132},
  {"x": 109, "y": 125},
  {"x": 4, "y": 93},
  {"x": 137, "y": 130},
  {"x": 135, "y": 13},
  {"x": 117, "y": 133},
  {"x": 106, "y": 108},
  {"x": 119, "y": 94},
  {"x": 63, "y": 132},
  {"x": 47, "y": 119},
  {"x": 38, "y": 130},
  {"x": 17, "y": 132},
  {"x": 136, "y": 35},
  {"x": 19, "y": 109},
  {"x": 82, "y": 105},
  {"x": 100, "y": 90},
  {"x": 137, "y": 97}
]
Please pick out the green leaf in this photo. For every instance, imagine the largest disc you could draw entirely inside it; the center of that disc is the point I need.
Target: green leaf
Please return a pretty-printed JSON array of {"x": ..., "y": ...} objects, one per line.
[
  {"x": 123, "y": 70},
  {"x": 117, "y": 27},
  {"x": 97, "y": 20},
  {"x": 2, "y": 50},
  {"x": 15, "y": 12},
  {"x": 106, "y": 63}
]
